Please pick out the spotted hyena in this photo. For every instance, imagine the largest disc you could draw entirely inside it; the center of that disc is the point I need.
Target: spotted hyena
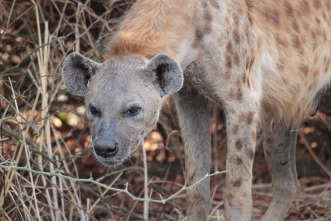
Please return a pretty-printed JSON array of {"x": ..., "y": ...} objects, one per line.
[{"x": 263, "y": 61}]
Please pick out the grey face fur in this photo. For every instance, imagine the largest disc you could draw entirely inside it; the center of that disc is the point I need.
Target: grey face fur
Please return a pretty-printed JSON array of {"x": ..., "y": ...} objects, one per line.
[{"x": 123, "y": 98}]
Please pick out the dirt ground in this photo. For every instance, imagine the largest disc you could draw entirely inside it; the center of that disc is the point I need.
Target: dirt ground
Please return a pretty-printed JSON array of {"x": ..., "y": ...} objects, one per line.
[{"x": 44, "y": 129}]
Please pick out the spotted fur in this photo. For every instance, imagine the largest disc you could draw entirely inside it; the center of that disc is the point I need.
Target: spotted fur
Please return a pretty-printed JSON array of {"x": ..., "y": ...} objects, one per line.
[{"x": 262, "y": 61}]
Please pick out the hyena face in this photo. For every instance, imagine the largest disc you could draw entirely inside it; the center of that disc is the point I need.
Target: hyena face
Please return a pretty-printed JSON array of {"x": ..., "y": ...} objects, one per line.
[{"x": 123, "y": 98}]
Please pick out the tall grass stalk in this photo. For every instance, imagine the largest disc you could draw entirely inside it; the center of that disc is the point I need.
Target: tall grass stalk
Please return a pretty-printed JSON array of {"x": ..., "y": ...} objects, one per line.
[{"x": 146, "y": 205}]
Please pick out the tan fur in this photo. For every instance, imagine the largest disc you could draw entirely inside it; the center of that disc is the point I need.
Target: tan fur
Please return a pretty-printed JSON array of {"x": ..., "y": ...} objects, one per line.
[
  {"x": 145, "y": 31},
  {"x": 289, "y": 33}
]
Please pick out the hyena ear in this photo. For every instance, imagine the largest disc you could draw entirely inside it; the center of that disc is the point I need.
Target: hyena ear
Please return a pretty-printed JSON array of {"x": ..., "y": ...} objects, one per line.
[
  {"x": 168, "y": 73},
  {"x": 76, "y": 72}
]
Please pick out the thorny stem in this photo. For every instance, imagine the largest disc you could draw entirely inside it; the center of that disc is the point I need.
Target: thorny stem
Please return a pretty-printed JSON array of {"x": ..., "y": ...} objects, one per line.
[{"x": 90, "y": 180}]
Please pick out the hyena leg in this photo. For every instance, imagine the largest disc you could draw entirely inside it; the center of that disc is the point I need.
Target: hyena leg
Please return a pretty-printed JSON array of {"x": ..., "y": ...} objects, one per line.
[
  {"x": 279, "y": 149},
  {"x": 195, "y": 130},
  {"x": 241, "y": 120}
]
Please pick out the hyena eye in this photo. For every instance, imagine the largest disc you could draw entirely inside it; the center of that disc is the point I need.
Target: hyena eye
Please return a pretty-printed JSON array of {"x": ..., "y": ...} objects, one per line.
[
  {"x": 134, "y": 110},
  {"x": 94, "y": 111}
]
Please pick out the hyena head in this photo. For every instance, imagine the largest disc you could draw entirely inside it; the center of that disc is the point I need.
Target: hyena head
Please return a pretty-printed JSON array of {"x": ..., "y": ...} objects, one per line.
[{"x": 123, "y": 98}]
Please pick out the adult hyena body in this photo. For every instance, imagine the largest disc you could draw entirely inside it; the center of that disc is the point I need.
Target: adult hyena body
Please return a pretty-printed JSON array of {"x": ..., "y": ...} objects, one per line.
[{"x": 263, "y": 61}]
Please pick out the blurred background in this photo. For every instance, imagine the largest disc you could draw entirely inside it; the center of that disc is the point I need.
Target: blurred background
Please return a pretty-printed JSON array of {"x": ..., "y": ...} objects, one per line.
[{"x": 43, "y": 129}]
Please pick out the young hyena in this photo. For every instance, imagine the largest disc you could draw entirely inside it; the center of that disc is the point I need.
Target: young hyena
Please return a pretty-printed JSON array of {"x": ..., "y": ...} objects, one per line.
[{"x": 263, "y": 61}]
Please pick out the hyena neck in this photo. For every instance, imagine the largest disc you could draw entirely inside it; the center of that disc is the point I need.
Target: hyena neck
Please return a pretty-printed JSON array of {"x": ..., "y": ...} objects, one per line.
[{"x": 155, "y": 26}]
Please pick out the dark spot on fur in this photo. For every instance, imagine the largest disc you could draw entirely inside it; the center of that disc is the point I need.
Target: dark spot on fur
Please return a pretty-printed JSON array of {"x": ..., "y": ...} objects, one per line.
[
  {"x": 228, "y": 62},
  {"x": 239, "y": 160},
  {"x": 317, "y": 4},
  {"x": 238, "y": 82},
  {"x": 207, "y": 28},
  {"x": 236, "y": 37},
  {"x": 313, "y": 35},
  {"x": 236, "y": 60},
  {"x": 204, "y": 4},
  {"x": 237, "y": 182},
  {"x": 199, "y": 34},
  {"x": 190, "y": 179},
  {"x": 231, "y": 94},
  {"x": 284, "y": 163},
  {"x": 239, "y": 94},
  {"x": 249, "y": 118},
  {"x": 296, "y": 42},
  {"x": 239, "y": 144},
  {"x": 229, "y": 195},
  {"x": 288, "y": 9},
  {"x": 249, "y": 3},
  {"x": 235, "y": 130},
  {"x": 207, "y": 15},
  {"x": 272, "y": 15},
  {"x": 242, "y": 117},
  {"x": 197, "y": 197},
  {"x": 281, "y": 145},
  {"x": 304, "y": 69},
  {"x": 305, "y": 26},
  {"x": 269, "y": 140},
  {"x": 306, "y": 6},
  {"x": 229, "y": 48},
  {"x": 328, "y": 5},
  {"x": 214, "y": 3}
]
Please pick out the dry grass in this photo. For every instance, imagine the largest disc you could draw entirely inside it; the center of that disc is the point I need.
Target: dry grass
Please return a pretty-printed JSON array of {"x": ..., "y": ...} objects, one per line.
[{"x": 45, "y": 161}]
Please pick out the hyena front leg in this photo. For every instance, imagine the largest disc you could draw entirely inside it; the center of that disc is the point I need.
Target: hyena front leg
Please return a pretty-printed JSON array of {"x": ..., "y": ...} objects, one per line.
[
  {"x": 195, "y": 131},
  {"x": 241, "y": 121},
  {"x": 279, "y": 149}
]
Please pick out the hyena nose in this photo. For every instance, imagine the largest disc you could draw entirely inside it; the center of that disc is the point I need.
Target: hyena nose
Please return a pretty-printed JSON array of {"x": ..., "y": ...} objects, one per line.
[{"x": 105, "y": 148}]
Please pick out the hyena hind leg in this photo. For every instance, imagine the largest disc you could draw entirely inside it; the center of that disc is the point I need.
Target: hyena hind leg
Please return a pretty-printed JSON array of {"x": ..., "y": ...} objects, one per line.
[{"x": 279, "y": 149}]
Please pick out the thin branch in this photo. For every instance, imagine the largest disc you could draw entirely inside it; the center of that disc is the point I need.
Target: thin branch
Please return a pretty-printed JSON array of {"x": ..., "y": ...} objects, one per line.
[{"x": 125, "y": 191}]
